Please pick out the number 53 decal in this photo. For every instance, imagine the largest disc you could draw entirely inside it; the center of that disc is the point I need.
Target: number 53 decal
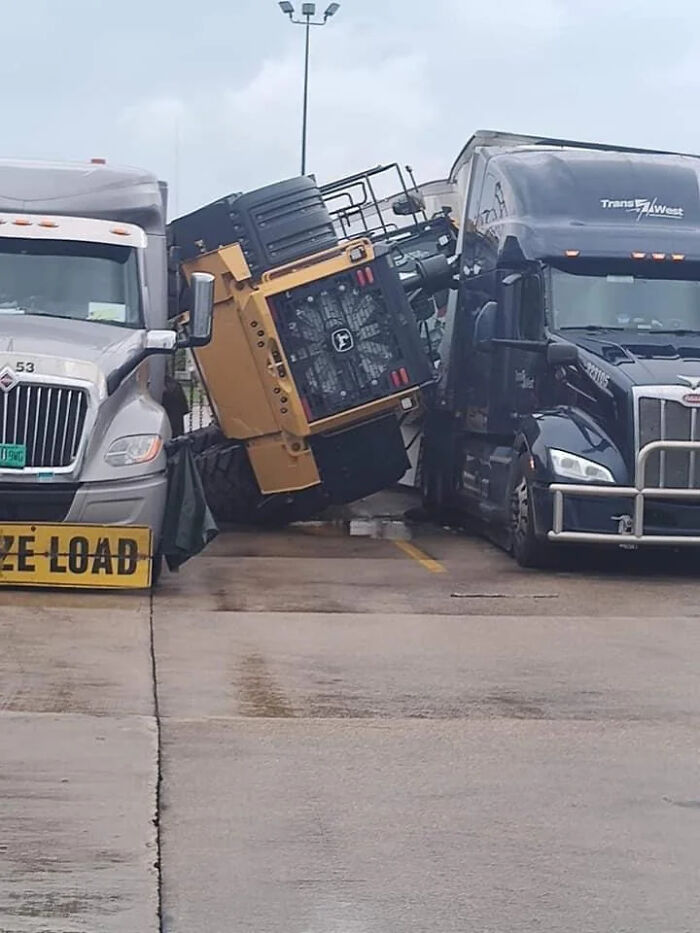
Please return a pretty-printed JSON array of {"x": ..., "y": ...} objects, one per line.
[{"x": 24, "y": 366}]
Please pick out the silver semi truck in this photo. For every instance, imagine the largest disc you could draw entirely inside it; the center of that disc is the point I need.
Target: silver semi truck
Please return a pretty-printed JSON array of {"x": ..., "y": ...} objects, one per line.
[{"x": 83, "y": 315}]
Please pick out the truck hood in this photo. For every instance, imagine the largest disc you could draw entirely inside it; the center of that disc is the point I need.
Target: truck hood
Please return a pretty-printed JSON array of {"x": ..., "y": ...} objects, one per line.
[
  {"x": 59, "y": 346},
  {"x": 640, "y": 359}
]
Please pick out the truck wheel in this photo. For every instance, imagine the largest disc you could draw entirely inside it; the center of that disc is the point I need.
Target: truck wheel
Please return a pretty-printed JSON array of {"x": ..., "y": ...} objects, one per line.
[
  {"x": 524, "y": 546},
  {"x": 234, "y": 496}
]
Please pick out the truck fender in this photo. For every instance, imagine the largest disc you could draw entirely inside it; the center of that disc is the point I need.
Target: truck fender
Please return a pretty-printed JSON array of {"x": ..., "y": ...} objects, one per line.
[{"x": 574, "y": 431}]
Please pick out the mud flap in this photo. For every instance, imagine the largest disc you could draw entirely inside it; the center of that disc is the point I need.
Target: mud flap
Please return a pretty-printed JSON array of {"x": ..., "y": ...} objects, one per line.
[{"x": 188, "y": 525}]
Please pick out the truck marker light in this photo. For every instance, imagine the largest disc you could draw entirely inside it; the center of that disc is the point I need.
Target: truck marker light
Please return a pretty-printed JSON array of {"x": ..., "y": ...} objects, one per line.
[
  {"x": 22, "y": 222},
  {"x": 48, "y": 223},
  {"x": 98, "y": 161},
  {"x": 639, "y": 255},
  {"x": 677, "y": 257},
  {"x": 572, "y": 253},
  {"x": 119, "y": 231},
  {"x": 658, "y": 256}
]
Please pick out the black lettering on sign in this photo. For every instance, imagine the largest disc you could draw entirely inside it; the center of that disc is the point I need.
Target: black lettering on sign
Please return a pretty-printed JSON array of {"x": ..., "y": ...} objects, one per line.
[
  {"x": 25, "y": 552},
  {"x": 103, "y": 558},
  {"x": 55, "y": 565},
  {"x": 127, "y": 557},
  {"x": 78, "y": 555},
  {"x": 6, "y": 542}
]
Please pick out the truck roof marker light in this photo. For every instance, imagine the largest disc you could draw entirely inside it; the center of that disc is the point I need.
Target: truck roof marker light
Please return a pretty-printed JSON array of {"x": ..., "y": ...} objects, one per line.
[
  {"x": 98, "y": 161},
  {"x": 658, "y": 256},
  {"x": 678, "y": 257},
  {"x": 572, "y": 253},
  {"x": 48, "y": 223},
  {"x": 639, "y": 255},
  {"x": 22, "y": 222},
  {"x": 119, "y": 231}
]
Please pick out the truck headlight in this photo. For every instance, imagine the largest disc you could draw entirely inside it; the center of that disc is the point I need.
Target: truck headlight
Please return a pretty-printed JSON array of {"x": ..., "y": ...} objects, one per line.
[
  {"x": 571, "y": 466},
  {"x": 137, "y": 448}
]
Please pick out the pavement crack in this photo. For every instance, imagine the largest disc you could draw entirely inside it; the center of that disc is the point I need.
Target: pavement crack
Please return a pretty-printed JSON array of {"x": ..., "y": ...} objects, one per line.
[{"x": 159, "y": 770}]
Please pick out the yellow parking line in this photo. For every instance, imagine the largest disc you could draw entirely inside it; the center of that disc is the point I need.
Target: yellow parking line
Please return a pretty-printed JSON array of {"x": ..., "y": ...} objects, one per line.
[{"x": 434, "y": 566}]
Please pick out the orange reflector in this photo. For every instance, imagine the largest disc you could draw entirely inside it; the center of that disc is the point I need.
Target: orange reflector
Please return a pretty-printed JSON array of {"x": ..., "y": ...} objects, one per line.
[
  {"x": 677, "y": 257},
  {"x": 22, "y": 222},
  {"x": 120, "y": 231},
  {"x": 98, "y": 161},
  {"x": 639, "y": 255},
  {"x": 658, "y": 256},
  {"x": 48, "y": 223},
  {"x": 572, "y": 253}
]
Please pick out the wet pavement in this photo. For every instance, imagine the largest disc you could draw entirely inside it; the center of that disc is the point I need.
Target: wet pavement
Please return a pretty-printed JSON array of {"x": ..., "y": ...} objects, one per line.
[{"x": 356, "y": 737}]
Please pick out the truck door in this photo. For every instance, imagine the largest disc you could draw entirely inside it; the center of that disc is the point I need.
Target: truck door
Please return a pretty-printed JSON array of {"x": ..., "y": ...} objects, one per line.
[{"x": 526, "y": 369}]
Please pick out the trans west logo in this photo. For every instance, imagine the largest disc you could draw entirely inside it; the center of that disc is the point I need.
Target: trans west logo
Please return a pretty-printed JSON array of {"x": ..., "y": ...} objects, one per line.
[{"x": 643, "y": 207}]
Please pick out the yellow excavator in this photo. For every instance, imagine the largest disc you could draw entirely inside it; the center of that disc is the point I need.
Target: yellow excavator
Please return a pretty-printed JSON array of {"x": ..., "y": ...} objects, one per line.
[{"x": 315, "y": 355}]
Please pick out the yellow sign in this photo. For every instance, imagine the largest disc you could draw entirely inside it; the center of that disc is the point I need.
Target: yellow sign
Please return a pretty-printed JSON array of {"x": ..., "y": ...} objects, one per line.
[{"x": 75, "y": 555}]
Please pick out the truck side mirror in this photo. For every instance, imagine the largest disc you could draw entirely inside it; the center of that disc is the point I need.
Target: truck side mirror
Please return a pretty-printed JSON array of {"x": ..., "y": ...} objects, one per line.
[
  {"x": 201, "y": 310},
  {"x": 485, "y": 325},
  {"x": 559, "y": 354}
]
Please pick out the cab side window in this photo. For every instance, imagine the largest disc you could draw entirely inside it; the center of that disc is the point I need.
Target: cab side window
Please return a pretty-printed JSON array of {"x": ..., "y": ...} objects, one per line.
[{"x": 531, "y": 316}]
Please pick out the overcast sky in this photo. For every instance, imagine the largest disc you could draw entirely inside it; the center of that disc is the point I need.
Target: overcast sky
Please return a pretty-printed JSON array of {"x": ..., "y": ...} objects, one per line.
[{"x": 392, "y": 80}]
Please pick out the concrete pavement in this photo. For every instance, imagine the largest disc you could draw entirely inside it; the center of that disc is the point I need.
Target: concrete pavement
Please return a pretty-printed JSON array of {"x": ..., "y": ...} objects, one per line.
[{"x": 482, "y": 749}]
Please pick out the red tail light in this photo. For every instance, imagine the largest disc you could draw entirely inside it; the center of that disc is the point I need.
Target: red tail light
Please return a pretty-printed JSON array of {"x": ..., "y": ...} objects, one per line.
[
  {"x": 404, "y": 375},
  {"x": 361, "y": 277},
  {"x": 369, "y": 275},
  {"x": 395, "y": 379}
]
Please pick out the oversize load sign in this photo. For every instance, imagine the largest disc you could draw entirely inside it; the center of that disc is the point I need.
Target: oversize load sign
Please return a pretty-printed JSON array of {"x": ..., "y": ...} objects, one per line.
[{"x": 75, "y": 555}]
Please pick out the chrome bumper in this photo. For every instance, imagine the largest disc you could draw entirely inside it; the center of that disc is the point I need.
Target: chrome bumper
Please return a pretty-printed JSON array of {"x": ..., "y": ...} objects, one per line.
[{"x": 638, "y": 493}]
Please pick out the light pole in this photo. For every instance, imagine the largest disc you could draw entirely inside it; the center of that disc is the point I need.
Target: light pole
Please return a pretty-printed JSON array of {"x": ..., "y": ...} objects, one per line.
[{"x": 308, "y": 11}]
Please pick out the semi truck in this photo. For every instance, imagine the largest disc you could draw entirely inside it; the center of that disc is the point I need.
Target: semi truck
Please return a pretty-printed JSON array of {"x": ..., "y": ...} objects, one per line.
[
  {"x": 566, "y": 408},
  {"x": 83, "y": 332},
  {"x": 314, "y": 358}
]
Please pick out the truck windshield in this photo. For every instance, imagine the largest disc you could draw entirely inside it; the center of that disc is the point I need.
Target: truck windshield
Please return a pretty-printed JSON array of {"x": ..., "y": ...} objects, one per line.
[
  {"x": 624, "y": 296},
  {"x": 65, "y": 279}
]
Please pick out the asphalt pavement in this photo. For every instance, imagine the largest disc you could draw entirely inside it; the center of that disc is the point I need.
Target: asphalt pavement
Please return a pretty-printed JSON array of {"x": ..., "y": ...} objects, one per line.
[{"x": 353, "y": 735}]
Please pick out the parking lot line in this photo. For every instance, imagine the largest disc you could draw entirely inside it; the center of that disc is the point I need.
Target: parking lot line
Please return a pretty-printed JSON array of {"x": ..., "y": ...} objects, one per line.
[{"x": 434, "y": 566}]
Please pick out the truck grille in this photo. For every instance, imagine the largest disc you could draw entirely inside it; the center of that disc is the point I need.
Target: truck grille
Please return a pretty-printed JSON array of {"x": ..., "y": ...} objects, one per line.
[
  {"x": 662, "y": 419},
  {"x": 48, "y": 420}
]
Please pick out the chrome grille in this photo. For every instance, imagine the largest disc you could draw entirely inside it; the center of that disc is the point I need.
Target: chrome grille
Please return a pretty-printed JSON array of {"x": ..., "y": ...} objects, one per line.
[
  {"x": 664, "y": 419},
  {"x": 48, "y": 420}
]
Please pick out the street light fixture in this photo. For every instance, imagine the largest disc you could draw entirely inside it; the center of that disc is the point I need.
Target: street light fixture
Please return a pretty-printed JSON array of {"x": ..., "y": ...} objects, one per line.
[{"x": 308, "y": 11}]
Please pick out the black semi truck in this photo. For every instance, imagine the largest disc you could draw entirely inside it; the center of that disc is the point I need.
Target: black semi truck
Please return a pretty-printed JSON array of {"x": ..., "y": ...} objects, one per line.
[{"x": 567, "y": 404}]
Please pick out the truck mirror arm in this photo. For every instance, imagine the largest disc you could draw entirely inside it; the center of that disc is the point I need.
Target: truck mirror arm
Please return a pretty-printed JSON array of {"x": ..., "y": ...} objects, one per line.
[{"x": 115, "y": 378}]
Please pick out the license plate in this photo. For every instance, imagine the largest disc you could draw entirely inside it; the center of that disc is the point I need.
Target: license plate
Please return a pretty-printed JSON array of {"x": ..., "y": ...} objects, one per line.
[
  {"x": 13, "y": 456},
  {"x": 75, "y": 555}
]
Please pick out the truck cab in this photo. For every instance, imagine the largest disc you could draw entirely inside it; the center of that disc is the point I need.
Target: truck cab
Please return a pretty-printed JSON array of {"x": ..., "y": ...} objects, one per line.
[
  {"x": 82, "y": 337},
  {"x": 567, "y": 403}
]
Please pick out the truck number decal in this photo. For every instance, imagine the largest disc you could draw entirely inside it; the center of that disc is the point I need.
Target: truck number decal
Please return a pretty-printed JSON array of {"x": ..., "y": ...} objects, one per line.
[{"x": 24, "y": 366}]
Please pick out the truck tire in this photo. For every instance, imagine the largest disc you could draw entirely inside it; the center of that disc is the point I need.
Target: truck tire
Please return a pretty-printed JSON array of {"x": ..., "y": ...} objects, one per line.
[
  {"x": 525, "y": 547},
  {"x": 234, "y": 496}
]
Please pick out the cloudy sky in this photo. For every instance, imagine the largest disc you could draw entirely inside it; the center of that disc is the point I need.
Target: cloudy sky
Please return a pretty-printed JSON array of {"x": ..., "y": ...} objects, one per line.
[{"x": 208, "y": 94}]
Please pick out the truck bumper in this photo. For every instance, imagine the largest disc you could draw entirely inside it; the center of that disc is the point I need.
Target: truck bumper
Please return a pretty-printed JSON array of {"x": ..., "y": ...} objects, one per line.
[
  {"x": 609, "y": 514},
  {"x": 135, "y": 502}
]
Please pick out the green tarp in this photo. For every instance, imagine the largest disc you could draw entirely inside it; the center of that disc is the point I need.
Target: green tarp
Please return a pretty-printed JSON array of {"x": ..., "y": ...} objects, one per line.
[{"x": 188, "y": 525}]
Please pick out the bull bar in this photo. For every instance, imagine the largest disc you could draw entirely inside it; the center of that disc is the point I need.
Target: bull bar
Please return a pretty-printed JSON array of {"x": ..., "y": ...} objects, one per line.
[{"x": 639, "y": 493}]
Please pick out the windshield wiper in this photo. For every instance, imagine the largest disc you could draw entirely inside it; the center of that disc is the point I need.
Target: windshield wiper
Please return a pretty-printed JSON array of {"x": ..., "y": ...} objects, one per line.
[
  {"x": 592, "y": 328},
  {"x": 681, "y": 332}
]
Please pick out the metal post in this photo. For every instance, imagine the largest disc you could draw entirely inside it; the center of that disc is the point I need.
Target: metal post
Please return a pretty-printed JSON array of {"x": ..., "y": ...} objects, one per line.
[{"x": 306, "y": 96}]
